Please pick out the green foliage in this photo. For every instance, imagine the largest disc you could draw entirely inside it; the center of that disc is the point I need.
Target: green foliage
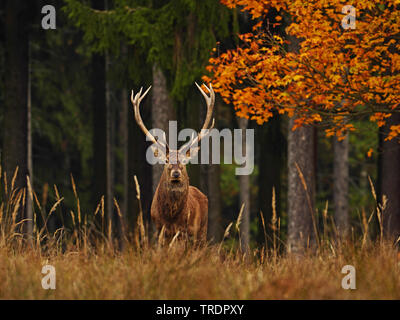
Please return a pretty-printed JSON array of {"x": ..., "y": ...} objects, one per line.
[
  {"x": 62, "y": 104},
  {"x": 61, "y": 113},
  {"x": 177, "y": 34}
]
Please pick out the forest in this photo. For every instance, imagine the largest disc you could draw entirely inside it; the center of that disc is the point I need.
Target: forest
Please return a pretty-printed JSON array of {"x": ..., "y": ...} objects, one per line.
[{"x": 317, "y": 82}]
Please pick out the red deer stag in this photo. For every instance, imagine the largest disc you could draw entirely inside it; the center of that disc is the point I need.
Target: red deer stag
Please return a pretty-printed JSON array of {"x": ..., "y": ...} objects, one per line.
[{"x": 176, "y": 205}]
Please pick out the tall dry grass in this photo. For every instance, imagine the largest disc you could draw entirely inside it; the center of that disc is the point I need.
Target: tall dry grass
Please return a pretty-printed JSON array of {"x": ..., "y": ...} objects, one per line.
[{"x": 91, "y": 265}]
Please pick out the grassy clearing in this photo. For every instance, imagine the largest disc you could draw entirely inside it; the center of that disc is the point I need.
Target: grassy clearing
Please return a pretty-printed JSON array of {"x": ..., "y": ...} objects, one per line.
[
  {"x": 88, "y": 265},
  {"x": 188, "y": 273}
]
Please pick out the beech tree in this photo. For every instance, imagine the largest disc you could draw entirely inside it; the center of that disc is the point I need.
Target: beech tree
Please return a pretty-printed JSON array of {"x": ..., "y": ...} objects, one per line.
[{"x": 338, "y": 74}]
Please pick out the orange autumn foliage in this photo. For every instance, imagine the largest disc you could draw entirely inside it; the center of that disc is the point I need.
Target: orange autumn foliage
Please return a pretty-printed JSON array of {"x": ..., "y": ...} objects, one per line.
[{"x": 334, "y": 77}]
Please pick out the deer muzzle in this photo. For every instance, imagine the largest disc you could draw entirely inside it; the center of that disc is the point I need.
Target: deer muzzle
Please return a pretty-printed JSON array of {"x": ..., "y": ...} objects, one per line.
[{"x": 175, "y": 175}]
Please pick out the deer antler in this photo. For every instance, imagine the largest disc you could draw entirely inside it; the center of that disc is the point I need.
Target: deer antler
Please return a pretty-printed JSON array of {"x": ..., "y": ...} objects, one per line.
[
  {"x": 210, "y": 100},
  {"x": 136, "y": 102}
]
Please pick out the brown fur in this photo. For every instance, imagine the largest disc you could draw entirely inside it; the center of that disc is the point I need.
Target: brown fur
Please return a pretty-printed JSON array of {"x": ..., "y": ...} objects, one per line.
[{"x": 180, "y": 207}]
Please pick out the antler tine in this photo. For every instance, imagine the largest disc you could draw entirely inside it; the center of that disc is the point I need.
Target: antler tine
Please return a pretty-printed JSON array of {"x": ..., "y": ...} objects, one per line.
[
  {"x": 202, "y": 92},
  {"x": 210, "y": 100},
  {"x": 139, "y": 97},
  {"x": 212, "y": 124},
  {"x": 136, "y": 102}
]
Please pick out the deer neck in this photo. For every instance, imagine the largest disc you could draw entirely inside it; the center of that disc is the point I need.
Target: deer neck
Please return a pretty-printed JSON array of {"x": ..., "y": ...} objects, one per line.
[{"x": 173, "y": 197}]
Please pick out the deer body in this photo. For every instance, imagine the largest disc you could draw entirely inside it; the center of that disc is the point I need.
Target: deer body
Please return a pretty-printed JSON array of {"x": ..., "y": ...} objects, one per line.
[
  {"x": 180, "y": 207},
  {"x": 177, "y": 206}
]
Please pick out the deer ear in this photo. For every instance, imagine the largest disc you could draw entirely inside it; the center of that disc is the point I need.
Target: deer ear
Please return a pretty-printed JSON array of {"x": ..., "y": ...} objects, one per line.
[{"x": 192, "y": 152}]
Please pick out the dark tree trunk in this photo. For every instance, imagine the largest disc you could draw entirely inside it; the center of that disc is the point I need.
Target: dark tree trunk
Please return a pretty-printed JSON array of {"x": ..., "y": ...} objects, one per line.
[
  {"x": 160, "y": 116},
  {"x": 214, "y": 203},
  {"x": 124, "y": 136},
  {"x": 15, "y": 151},
  {"x": 244, "y": 195},
  {"x": 271, "y": 147},
  {"x": 99, "y": 124},
  {"x": 29, "y": 202},
  {"x": 301, "y": 151},
  {"x": 341, "y": 185},
  {"x": 109, "y": 203},
  {"x": 160, "y": 112},
  {"x": 390, "y": 180},
  {"x": 98, "y": 80}
]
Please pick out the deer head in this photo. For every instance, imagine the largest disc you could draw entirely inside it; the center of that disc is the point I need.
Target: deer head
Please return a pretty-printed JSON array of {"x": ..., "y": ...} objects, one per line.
[{"x": 176, "y": 160}]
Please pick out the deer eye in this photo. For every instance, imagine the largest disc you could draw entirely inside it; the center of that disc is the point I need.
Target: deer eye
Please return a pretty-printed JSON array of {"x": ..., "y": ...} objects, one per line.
[{"x": 185, "y": 161}]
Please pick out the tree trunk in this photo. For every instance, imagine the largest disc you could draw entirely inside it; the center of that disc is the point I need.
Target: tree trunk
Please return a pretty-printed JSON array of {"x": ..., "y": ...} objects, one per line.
[
  {"x": 390, "y": 180},
  {"x": 214, "y": 203},
  {"x": 301, "y": 169},
  {"x": 15, "y": 151},
  {"x": 99, "y": 125},
  {"x": 301, "y": 152},
  {"x": 244, "y": 195},
  {"x": 98, "y": 83},
  {"x": 271, "y": 153},
  {"x": 29, "y": 201},
  {"x": 122, "y": 168},
  {"x": 160, "y": 116},
  {"x": 124, "y": 133},
  {"x": 109, "y": 151},
  {"x": 160, "y": 113},
  {"x": 341, "y": 185}
]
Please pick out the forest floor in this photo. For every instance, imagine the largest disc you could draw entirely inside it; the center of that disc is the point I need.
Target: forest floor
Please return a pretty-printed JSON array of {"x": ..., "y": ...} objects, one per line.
[{"x": 177, "y": 272}]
